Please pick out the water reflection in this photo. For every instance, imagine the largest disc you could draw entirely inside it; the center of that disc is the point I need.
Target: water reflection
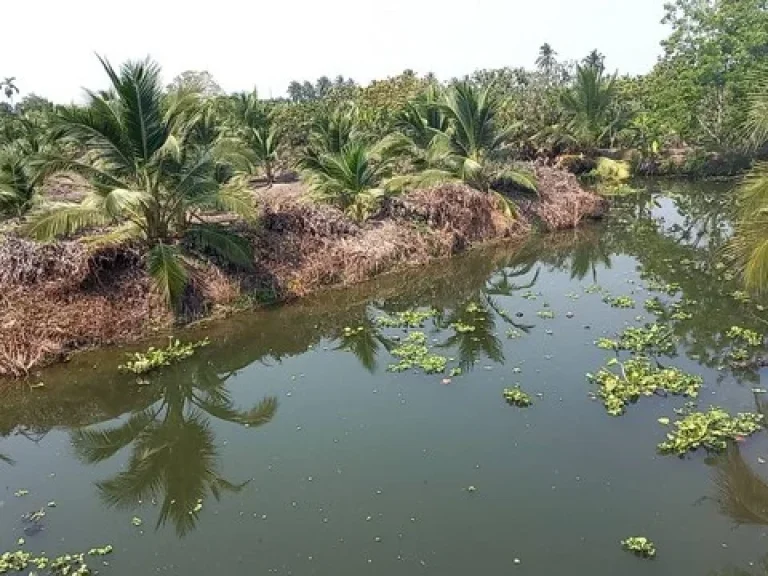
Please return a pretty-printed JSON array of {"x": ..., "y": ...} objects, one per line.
[
  {"x": 742, "y": 494},
  {"x": 7, "y": 460},
  {"x": 173, "y": 451}
]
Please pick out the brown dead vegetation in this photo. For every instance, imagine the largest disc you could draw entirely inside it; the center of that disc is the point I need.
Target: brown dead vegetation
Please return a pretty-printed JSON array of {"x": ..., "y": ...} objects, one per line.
[{"x": 60, "y": 297}]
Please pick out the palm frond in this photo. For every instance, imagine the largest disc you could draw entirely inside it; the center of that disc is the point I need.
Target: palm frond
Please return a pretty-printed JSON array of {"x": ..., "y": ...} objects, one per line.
[
  {"x": 168, "y": 272},
  {"x": 216, "y": 239},
  {"x": 62, "y": 219}
]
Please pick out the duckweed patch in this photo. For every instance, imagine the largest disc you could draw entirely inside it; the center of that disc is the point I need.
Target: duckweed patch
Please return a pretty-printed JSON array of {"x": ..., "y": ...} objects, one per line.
[
  {"x": 640, "y": 546},
  {"x": 636, "y": 378},
  {"x": 154, "y": 358},
  {"x": 414, "y": 353},
  {"x": 710, "y": 430},
  {"x": 546, "y": 314},
  {"x": 516, "y": 397},
  {"x": 406, "y": 319}
]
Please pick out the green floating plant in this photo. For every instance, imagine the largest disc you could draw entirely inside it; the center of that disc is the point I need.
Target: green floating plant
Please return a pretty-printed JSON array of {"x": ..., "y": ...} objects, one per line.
[
  {"x": 462, "y": 328},
  {"x": 654, "y": 306},
  {"x": 640, "y": 546},
  {"x": 638, "y": 377},
  {"x": 64, "y": 565},
  {"x": 653, "y": 339},
  {"x": 516, "y": 397},
  {"x": 619, "y": 301},
  {"x": 546, "y": 314},
  {"x": 745, "y": 336},
  {"x": 710, "y": 430},
  {"x": 407, "y": 319},
  {"x": 414, "y": 353},
  {"x": 154, "y": 358}
]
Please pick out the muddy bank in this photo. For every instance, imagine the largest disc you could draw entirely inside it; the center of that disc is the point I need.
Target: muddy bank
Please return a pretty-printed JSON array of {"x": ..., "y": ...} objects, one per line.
[{"x": 63, "y": 297}]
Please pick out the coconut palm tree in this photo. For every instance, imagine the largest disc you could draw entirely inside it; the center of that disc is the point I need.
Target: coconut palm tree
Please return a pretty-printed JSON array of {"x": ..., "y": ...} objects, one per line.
[
  {"x": 594, "y": 59},
  {"x": 463, "y": 142},
  {"x": 354, "y": 178},
  {"x": 173, "y": 451},
  {"x": 749, "y": 248},
  {"x": 18, "y": 182},
  {"x": 588, "y": 104},
  {"x": 256, "y": 138},
  {"x": 546, "y": 60},
  {"x": 9, "y": 87},
  {"x": 147, "y": 176}
]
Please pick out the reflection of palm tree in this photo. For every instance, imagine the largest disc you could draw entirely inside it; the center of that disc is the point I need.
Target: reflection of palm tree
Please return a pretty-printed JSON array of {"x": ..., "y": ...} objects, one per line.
[
  {"x": 587, "y": 255},
  {"x": 364, "y": 341},
  {"x": 471, "y": 345},
  {"x": 173, "y": 447},
  {"x": 742, "y": 494}
]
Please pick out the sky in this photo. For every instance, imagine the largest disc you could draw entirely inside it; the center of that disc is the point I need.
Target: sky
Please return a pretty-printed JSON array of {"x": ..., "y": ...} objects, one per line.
[{"x": 49, "y": 45}]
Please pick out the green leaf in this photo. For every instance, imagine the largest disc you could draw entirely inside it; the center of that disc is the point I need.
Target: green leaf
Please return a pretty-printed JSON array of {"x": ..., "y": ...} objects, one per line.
[
  {"x": 168, "y": 272},
  {"x": 232, "y": 248}
]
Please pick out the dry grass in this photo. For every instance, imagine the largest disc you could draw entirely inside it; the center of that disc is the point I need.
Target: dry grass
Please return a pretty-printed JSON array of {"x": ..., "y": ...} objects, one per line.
[
  {"x": 563, "y": 203},
  {"x": 57, "y": 298}
]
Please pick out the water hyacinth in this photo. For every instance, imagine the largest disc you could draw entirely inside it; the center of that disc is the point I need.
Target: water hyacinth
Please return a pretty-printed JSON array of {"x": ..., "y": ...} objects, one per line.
[
  {"x": 414, "y": 353},
  {"x": 640, "y": 546},
  {"x": 638, "y": 377},
  {"x": 710, "y": 430},
  {"x": 407, "y": 319},
  {"x": 154, "y": 358},
  {"x": 516, "y": 397},
  {"x": 619, "y": 301}
]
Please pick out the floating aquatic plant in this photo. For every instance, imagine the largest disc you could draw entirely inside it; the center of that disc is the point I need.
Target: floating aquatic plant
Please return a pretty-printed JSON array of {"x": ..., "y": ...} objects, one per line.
[
  {"x": 517, "y": 397},
  {"x": 710, "y": 430},
  {"x": 636, "y": 378},
  {"x": 654, "y": 306},
  {"x": 619, "y": 301},
  {"x": 414, "y": 353},
  {"x": 546, "y": 314},
  {"x": 745, "y": 335},
  {"x": 406, "y": 319},
  {"x": 462, "y": 328},
  {"x": 653, "y": 339},
  {"x": 513, "y": 334},
  {"x": 640, "y": 545},
  {"x": 64, "y": 565},
  {"x": 154, "y": 358}
]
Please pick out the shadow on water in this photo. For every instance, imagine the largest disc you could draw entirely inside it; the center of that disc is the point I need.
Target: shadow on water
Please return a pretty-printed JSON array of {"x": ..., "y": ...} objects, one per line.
[{"x": 674, "y": 240}]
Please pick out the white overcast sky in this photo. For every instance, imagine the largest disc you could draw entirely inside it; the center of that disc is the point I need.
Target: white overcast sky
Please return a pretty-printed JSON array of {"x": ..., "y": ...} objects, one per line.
[{"x": 49, "y": 45}]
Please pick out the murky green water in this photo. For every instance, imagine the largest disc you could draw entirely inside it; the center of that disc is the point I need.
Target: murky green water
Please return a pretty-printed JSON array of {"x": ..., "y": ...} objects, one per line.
[{"x": 348, "y": 469}]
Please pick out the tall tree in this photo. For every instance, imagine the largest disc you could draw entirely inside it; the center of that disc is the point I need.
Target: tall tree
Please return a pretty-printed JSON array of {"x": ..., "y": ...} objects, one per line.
[
  {"x": 323, "y": 87},
  {"x": 200, "y": 82},
  {"x": 588, "y": 104},
  {"x": 546, "y": 61},
  {"x": 594, "y": 59},
  {"x": 8, "y": 85},
  {"x": 707, "y": 70}
]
